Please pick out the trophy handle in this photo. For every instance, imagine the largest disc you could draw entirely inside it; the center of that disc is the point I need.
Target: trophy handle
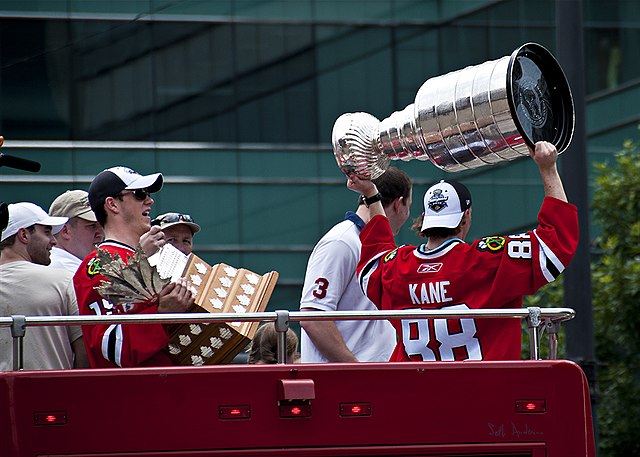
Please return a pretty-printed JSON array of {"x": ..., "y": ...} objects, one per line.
[{"x": 355, "y": 147}]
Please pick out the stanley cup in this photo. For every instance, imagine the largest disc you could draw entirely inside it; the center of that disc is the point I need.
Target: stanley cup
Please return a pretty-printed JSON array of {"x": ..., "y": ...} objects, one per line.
[{"x": 480, "y": 115}]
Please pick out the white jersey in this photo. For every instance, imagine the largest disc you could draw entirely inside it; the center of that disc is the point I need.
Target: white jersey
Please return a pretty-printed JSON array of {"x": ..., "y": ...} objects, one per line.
[
  {"x": 331, "y": 285},
  {"x": 64, "y": 259}
]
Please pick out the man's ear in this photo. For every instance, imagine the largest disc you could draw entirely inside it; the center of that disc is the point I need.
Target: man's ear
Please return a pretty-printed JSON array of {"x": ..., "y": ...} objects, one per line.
[
  {"x": 110, "y": 204},
  {"x": 65, "y": 233},
  {"x": 23, "y": 235},
  {"x": 465, "y": 216},
  {"x": 397, "y": 203}
]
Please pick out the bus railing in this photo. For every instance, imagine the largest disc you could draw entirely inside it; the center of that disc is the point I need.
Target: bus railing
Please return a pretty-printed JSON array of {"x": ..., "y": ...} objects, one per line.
[{"x": 538, "y": 321}]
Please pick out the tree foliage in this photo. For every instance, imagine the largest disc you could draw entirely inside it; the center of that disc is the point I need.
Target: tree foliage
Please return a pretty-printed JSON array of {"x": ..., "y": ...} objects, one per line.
[
  {"x": 616, "y": 302},
  {"x": 616, "y": 298}
]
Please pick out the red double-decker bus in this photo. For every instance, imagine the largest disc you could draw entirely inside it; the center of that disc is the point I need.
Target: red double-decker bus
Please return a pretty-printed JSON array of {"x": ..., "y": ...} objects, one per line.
[{"x": 538, "y": 408}]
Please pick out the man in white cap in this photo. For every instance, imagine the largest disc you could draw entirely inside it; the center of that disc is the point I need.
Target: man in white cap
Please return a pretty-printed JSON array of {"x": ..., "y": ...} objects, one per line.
[
  {"x": 29, "y": 288},
  {"x": 178, "y": 230},
  {"x": 121, "y": 200},
  {"x": 80, "y": 235},
  {"x": 447, "y": 273}
]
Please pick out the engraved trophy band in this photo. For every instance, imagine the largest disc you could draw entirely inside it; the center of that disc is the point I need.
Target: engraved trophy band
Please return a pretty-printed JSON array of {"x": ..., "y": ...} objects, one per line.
[{"x": 480, "y": 115}]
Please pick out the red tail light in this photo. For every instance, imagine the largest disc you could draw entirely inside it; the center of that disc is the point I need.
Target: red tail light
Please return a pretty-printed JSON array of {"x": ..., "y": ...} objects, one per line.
[
  {"x": 355, "y": 409},
  {"x": 50, "y": 418},
  {"x": 234, "y": 412},
  {"x": 531, "y": 406}
]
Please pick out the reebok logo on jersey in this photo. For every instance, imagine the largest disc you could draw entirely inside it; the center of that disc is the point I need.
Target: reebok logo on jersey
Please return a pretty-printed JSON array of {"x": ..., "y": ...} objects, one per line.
[{"x": 429, "y": 267}]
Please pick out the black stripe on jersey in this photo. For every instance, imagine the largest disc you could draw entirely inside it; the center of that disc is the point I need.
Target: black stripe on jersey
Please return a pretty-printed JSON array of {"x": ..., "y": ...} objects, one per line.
[
  {"x": 111, "y": 347},
  {"x": 367, "y": 268},
  {"x": 552, "y": 268}
]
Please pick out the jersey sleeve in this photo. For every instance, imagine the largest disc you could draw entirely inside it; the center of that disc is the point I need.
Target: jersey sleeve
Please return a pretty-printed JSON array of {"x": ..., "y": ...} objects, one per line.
[
  {"x": 128, "y": 345},
  {"x": 331, "y": 267},
  {"x": 528, "y": 261},
  {"x": 556, "y": 237},
  {"x": 377, "y": 240},
  {"x": 108, "y": 345}
]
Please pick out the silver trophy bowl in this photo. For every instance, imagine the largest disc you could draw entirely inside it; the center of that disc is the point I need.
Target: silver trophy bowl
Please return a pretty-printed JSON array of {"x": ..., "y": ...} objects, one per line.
[{"x": 480, "y": 115}]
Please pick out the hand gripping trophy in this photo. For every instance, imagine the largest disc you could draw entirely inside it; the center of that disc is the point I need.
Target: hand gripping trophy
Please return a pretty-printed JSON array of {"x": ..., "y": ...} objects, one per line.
[{"x": 465, "y": 119}]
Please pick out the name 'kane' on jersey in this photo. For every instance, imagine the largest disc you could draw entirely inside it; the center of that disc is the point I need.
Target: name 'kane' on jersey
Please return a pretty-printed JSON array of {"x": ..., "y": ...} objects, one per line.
[{"x": 493, "y": 272}]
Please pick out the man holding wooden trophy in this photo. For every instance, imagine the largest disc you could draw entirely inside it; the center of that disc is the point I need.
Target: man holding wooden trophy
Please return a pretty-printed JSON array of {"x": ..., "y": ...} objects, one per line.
[{"x": 119, "y": 279}]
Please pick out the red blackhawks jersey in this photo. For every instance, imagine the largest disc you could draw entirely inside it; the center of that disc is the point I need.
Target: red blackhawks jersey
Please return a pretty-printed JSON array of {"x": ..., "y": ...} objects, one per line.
[
  {"x": 117, "y": 345},
  {"x": 493, "y": 272}
]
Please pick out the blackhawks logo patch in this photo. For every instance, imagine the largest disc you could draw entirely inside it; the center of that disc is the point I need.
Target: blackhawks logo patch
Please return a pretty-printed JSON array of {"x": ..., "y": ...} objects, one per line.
[
  {"x": 390, "y": 256},
  {"x": 492, "y": 243},
  {"x": 93, "y": 267}
]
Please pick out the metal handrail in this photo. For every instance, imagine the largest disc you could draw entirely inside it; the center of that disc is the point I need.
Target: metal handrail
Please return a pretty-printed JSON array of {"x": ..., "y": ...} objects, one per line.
[{"x": 538, "y": 319}]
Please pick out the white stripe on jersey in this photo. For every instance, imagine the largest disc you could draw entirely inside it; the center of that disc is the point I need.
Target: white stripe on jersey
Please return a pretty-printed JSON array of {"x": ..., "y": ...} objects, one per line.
[
  {"x": 369, "y": 268},
  {"x": 105, "y": 341},
  {"x": 106, "y": 337},
  {"x": 546, "y": 255},
  {"x": 119, "y": 345}
]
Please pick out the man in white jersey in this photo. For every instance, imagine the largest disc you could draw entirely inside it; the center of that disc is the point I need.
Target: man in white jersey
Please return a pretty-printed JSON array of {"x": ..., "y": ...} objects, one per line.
[{"x": 330, "y": 283}]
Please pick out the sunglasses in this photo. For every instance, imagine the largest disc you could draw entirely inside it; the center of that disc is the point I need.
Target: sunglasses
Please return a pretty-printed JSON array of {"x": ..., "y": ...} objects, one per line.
[
  {"x": 170, "y": 218},
  {"x": 138, "y": 194}
]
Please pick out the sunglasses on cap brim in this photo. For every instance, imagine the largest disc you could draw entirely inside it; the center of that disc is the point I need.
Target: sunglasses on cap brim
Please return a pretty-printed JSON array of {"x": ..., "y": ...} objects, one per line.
[{"x": 170, "y": 218}]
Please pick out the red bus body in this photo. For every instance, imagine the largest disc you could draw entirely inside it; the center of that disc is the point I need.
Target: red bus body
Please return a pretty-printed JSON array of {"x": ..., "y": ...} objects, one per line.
[{"x": 524, "y": 408}]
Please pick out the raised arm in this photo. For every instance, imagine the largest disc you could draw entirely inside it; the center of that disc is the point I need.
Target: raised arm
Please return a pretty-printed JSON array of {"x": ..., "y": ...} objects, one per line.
[
  {"x": 367, "y": 188},
  {"x": 545, "y": 155}
]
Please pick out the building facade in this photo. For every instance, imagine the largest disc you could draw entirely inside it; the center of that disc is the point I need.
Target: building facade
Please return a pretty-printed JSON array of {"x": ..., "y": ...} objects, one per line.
[{"x": 234, "y": 101}]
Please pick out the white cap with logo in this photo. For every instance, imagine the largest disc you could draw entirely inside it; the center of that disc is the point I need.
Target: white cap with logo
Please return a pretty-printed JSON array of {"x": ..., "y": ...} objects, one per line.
[{"x": 445, "y": 204}]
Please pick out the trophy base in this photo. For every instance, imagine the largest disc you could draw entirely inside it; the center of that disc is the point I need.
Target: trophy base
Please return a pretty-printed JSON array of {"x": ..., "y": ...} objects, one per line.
[{"x": 220, "y": 288}]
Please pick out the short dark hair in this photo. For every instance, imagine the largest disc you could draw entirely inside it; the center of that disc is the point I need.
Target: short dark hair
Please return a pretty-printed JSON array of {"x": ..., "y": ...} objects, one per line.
[{"x": 392, "y": 184}]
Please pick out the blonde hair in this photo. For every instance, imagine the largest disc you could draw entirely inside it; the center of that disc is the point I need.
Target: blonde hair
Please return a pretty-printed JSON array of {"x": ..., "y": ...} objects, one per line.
[{"x": 264, "y": 346}]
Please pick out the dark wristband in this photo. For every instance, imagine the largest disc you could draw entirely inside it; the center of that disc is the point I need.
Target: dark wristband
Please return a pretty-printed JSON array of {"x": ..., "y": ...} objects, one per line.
[{"x": 368, "y": 201}]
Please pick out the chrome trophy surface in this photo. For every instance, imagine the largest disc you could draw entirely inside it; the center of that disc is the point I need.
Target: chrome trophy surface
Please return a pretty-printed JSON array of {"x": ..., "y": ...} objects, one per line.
[{"x": 480, "y": 115}]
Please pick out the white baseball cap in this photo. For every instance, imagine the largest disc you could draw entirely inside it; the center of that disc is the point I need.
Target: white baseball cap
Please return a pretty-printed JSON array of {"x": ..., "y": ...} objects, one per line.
[
  {"x": 25, "y": 214},
  {"x": 444, "y": 204}
]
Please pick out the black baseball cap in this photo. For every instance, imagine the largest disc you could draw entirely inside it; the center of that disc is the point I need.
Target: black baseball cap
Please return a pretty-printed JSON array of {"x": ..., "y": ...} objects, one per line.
[{"x": 112, "y": 181}]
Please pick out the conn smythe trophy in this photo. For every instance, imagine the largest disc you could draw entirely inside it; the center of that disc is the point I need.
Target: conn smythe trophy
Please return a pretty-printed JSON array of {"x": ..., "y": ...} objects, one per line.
[
  {"x": 219, "y": 288},
  {"x": 476, "y": 116}
]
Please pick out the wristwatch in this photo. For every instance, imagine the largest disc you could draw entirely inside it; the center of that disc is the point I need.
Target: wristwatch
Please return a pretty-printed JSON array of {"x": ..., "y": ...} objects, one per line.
[{"x": 371, "y": 200}]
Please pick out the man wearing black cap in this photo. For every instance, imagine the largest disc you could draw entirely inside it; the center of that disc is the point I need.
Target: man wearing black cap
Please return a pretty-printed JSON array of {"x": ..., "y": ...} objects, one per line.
[
  {"x": 121, "y": 200},
  {"x": 446, "y": 273}
]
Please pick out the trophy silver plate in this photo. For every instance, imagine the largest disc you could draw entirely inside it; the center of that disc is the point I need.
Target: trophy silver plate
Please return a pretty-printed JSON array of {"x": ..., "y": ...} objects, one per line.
[{"x": 480, "y": 115}]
